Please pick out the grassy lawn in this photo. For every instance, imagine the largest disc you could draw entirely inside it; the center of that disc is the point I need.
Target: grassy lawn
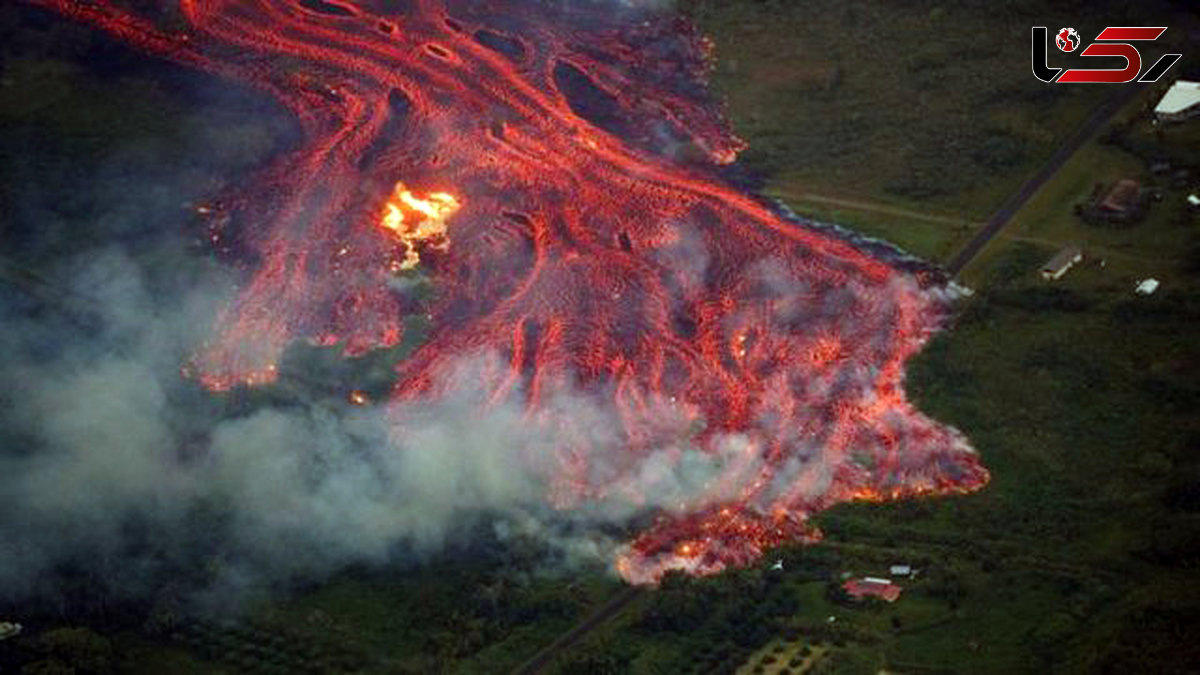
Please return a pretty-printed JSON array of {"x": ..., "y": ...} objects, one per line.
[
  {"x": 947, "y": 127},
  {"x": 1153, "y": 247},
  {"x": 930, "y": 236},
  {"x": 1081, "y": 398},
  {"x": 951, "y": 121},
  {"x": 1078, "y": 394}
]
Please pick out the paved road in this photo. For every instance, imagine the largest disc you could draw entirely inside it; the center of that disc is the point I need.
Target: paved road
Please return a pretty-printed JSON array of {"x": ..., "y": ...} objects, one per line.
[
  {"x": 596, "y": 618},
  {"x": 1100, "y": 116}
]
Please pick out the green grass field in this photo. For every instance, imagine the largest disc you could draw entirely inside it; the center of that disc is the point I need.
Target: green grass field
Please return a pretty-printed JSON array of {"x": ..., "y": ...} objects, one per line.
[
  {"x": 927, "y": 105},
  {"x": 930, "y": 235},
  {"x": 947, "y": 123},
  {"x": 1080, "y": 396}
]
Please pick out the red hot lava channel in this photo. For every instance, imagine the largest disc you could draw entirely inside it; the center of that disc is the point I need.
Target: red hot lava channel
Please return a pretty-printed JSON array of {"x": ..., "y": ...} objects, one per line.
[{"x": 576, "y": 249}]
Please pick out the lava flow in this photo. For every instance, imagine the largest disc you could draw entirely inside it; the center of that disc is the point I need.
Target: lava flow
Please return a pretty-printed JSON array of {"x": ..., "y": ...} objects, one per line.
[{"x": 556, "y": 170}]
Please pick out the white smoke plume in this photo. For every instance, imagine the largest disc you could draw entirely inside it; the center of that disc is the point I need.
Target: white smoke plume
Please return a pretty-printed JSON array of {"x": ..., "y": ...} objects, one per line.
[{"x": 111, "y": 459}]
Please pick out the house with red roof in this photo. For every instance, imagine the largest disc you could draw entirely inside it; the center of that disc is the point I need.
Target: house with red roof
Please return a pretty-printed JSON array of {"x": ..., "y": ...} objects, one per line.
[{"x": 872, "y": 587}]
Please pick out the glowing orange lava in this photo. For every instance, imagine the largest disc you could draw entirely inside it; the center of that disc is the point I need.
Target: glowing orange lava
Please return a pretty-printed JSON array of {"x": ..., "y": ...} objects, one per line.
[
  {"x": 414, "y": 220},
  {"x": 601, "y": 250}
]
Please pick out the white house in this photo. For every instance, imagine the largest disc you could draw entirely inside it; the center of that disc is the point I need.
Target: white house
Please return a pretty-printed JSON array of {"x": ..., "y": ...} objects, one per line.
[
  {"x": 1146, "y": 286},
  {"x": 1180, "y": 102},
  {"x": 1061, "y": 262}
]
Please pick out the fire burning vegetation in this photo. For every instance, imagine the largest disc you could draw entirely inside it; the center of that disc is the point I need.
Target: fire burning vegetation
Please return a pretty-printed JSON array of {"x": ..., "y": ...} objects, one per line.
[
  {"x": 563, "y": 190},
  {"x": 414, "y": 220}
]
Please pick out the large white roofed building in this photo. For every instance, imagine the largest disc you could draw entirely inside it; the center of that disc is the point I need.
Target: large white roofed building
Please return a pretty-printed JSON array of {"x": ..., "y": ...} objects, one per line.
[{"x": 1180, "y": 102}]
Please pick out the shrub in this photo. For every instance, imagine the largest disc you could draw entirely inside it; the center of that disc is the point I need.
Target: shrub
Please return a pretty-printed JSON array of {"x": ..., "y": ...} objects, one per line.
[{"x": 80, "y": 649}]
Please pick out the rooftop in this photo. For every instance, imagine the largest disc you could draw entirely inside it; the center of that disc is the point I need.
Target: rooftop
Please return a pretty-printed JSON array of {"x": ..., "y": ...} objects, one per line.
[
  {"x": 1063, "y": 258},
  {"x": 1182, "y": 95},
  {"x": 872, "y": 587},
  {"x": 1123, "y": 195}
]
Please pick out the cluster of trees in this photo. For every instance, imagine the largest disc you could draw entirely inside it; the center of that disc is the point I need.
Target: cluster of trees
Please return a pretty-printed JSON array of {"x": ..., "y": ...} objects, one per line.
[
  {"x": 895, "y": 121},
  {"x": 711, "y": 625},
  {"x": 1171, "y": 166},
  {"x": 247, "y": 648},
  {"x": 258, "y": 648},
  {"x": 444, "y": 612},
  {"x": 1155, "y": 640},
  {"x": 743, "y": 605},
  {"x": 715, "y": 624},
  {"x": 1124, "y": 135},
  {"x": 63, "y": 651}
]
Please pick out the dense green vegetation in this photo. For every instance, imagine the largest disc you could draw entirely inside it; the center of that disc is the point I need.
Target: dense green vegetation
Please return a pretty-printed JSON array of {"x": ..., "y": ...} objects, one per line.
[
  {"x": 482, "y": 609},
  {"x": 878, "y": 113},
  {"x": 1078, "y": 557},
  {"x": 925, "y": 103},
  {"x": 1079, "y": 395}
]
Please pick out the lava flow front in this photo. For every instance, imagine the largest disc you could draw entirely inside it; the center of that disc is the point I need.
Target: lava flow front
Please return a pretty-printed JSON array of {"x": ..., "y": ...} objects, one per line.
[{"x": 556, "y": 170}]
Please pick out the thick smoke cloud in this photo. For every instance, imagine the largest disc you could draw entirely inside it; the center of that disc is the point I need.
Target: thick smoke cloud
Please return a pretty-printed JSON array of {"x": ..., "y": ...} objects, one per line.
[{"x": 114, "y": 462}]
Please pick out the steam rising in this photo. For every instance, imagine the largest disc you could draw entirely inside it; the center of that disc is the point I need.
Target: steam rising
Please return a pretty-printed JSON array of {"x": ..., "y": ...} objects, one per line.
[
  {"x": 114, "y": 461},
  {"x": 741, "y": 372}
]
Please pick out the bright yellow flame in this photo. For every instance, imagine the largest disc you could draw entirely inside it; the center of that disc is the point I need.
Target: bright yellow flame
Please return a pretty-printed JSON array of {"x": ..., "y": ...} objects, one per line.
[{"x": 414, "y": 219}]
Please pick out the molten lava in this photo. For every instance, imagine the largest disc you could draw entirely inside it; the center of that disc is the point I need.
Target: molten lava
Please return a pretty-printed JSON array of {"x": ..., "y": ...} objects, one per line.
[{"x": 598, "y": 251}]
